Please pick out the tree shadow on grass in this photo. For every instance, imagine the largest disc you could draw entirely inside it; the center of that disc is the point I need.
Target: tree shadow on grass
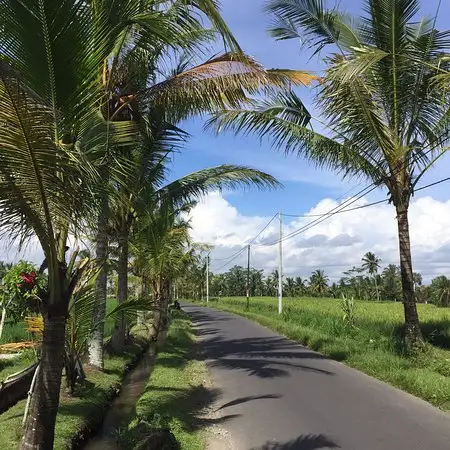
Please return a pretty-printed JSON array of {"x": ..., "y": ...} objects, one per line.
[
  {"x": 303, "y": 442},
  {"x": 437, "y": 333},
  {"x": 190, "y": 408}
]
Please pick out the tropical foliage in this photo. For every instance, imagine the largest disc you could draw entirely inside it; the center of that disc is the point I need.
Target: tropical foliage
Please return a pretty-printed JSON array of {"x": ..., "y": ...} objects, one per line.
[{"x": 357, "y": 282}]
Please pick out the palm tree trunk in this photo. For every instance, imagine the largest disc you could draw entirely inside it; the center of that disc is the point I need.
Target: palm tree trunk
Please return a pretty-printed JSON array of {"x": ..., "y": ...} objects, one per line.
[
  {"x": 413, "y": 334},
  {"x": 98, "y": 317},
  {"x": 376, "y": 287},
  {"x": 118, "y": 337},
  {"x": 40, "y": 425}
]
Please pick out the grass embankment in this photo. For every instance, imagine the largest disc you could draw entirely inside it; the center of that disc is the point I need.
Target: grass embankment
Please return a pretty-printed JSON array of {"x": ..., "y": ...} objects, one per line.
[
  {"x": 77, "y": 415},
  {"x": 373, "y": 345},
  {"x": 175, "y": 393}
]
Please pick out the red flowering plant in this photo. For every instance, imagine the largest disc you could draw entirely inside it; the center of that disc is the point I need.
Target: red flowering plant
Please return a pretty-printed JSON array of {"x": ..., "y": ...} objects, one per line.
[{"x": 22, "y": 286}]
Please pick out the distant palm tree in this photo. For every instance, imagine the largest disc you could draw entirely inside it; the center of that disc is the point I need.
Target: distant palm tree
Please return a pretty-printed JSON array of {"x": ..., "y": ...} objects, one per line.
[
  {"x": 440, "y": 291},
  {"x": 289, "y": 286},
  {"x": 371, "y": 264},
  {"x": 300, "y": 285},
  {"x": 318, "y": 282}
]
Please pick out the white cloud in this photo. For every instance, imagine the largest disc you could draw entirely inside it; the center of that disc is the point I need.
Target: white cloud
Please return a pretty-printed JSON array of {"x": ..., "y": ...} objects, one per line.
[{"x": 334, "y": 245}]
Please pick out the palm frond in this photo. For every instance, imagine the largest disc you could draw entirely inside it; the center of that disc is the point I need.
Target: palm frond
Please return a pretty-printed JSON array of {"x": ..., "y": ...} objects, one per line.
[
  {"x": 33, "y": 194},
  {"x": 216, "y": 178},
  {"x": 315, "y": 25},
  {"x": 221, "y": 82}
]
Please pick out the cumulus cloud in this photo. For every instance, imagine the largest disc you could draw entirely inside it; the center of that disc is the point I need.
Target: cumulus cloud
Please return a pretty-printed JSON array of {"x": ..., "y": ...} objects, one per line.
[{"x": 334, "y": 245}]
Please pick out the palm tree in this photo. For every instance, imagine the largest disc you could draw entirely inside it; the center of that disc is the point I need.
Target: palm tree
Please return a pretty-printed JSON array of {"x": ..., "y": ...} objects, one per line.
[
  {"x": 162, "y": 251},
  {"x": 318, "y": 282},
  {"x": 300, "y": 285},
  {"x": 138, "y": 92},
  {"x": 289, "y": 286},
  {"x": 440, "y": 291},
  {"x": 371, "y": 264},
  {"x": 386, "y": 117},
  {"x": 391, "y": 280},
  {"x": 49, "y": 100}
]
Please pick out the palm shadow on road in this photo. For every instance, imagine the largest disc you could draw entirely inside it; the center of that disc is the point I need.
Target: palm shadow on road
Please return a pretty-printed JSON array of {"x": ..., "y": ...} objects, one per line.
[
  {"x": 303, "y": 442},
  {"x": 267, "y": 357}
]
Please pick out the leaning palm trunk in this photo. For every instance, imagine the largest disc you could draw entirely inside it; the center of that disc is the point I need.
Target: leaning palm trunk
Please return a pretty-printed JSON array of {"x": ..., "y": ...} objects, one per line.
[
  {"x": 413, "y": 334},
  {"x": 40, "y": 424},
  {"x": 118, "y": 337},
  {"x": 98, "y": 317}
]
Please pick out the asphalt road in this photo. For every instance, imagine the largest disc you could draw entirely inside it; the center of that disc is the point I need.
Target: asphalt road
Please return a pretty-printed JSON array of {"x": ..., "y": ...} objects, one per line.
[{"x": 271, "y": 393}]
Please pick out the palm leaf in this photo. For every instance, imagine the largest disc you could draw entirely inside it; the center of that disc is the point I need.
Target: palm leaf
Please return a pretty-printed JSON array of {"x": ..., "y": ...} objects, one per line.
[{"x": 215, "y": 178}]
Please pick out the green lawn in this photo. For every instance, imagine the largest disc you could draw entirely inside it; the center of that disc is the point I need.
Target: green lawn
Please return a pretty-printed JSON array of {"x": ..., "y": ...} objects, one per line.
[
  {"x": 175, "y": 393},
  {"x": 373, "y": 345}
]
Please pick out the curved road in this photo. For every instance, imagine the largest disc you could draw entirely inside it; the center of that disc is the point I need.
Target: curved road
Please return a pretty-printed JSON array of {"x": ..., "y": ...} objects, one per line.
[{"x": 274, "y": 394}]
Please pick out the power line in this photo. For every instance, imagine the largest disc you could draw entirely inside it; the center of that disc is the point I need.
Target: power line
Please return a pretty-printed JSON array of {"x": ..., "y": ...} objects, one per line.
[
  {"x": 264, "y": 229},
  {"x": 229, "y": 262},
  {"x": 236, "y": 254},
  {"x": 340, "y": 210}
]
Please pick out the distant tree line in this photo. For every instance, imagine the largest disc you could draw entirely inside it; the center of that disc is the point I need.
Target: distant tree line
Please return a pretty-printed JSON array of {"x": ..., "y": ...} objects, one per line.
[{"x": 368, "y": 281}]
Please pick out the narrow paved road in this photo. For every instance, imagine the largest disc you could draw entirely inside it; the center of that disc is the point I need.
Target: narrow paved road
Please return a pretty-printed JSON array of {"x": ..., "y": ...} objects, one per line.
[{"x": 275, "y": 394}]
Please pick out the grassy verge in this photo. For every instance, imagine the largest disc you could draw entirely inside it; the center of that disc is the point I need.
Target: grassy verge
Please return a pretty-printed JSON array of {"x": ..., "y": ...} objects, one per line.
[
  {"x": 175, "y": 393},
  {"x": 373, "y": 345},
  {"x": 79, "y": 414}
]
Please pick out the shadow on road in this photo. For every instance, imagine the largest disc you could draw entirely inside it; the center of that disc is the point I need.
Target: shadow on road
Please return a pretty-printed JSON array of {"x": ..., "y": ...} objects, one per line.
[
  {"x": 268, "y": 357},
  {"x": 241, "y": 400},
  {"x": 303, "y": 442}
]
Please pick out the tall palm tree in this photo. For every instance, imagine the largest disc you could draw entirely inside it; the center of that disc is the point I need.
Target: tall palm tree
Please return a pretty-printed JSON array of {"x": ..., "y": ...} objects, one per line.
[
  {"x": 371, "y": 264},
  {"x": 385, "y": 116},
  {"x": 138, "y": 91},
  {"x": 50, "y": 96}
]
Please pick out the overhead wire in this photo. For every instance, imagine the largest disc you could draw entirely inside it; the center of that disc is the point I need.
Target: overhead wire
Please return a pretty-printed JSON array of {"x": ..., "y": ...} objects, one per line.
[
  {"x": 235, "y": 255},
  {"x": 328, "y": 215}
]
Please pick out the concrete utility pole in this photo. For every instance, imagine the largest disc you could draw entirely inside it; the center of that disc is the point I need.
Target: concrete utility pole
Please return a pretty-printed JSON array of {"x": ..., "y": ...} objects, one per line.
[
  {"x": 207, "y": 278},
  {"x": 248, "y": 276},
  {"x": 280, "y": 266}
]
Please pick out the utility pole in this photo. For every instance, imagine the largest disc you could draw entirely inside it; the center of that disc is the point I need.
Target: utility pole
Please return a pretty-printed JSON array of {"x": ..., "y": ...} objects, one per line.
[
  {"x": 280, "y": 266},
  {"x": 207, "y": 278},
  {"x": 248, "y": 276}
]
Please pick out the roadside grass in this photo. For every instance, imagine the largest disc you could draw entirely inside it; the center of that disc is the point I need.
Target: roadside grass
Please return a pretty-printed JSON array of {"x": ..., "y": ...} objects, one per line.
[
  {"x": 175, "y": 393},
  {"x": 80, "y": 413},
  {"x": 373, "y": 345}
]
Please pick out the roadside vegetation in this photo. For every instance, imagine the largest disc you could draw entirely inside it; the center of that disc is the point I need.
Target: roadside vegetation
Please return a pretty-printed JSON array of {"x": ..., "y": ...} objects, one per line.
[
  {"x": 175, "y": 393},
  {"x": 80, "y": 414},
  {"x": 368, "y": 339}
]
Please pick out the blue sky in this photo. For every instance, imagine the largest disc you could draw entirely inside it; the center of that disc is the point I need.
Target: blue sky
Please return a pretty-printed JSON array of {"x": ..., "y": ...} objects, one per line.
[{"x": 304, "y": 186}]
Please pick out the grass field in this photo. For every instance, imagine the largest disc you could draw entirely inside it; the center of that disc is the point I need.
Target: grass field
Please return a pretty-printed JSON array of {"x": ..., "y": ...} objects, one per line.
[
  {"x": 175, "y": 393},
  {"x": 373, "y": 345}
]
